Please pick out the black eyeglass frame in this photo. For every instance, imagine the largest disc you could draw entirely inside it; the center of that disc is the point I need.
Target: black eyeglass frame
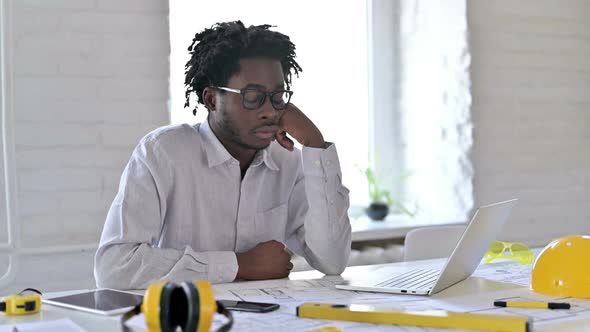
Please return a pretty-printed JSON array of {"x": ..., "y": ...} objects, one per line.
[{"x": 261, "y": 102}]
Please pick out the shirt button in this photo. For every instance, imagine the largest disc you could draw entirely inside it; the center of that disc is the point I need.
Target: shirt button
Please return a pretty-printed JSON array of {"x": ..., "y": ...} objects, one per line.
[
  {"x": 317, "y": 162},
  {"x": 332, "y": 201}
]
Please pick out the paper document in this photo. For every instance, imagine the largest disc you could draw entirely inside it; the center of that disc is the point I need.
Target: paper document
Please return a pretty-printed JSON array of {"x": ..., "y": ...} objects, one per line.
[
  {"x": 508, "y": 271},
  {"x": 59, "y": 325},
  {"x": 291, "y": 293},
  {"x": 484, "y": 303}
]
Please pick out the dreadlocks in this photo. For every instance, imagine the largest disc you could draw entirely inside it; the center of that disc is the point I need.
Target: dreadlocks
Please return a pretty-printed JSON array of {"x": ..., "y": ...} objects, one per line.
[{"x": 216, "y": 52}]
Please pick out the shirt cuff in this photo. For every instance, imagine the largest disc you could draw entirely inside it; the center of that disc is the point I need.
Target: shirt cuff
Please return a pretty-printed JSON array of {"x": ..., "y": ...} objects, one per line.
[
  {"x": 320, "y": 162},
  {"x": 223, "y": 266}
]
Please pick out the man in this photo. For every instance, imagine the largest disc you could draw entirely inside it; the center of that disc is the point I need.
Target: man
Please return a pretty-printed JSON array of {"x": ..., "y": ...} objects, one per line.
[{"x": 228, "y": 198}]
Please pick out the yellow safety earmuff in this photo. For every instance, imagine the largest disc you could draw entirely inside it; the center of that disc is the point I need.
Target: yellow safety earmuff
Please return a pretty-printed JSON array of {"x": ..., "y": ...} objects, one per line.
[{"x": 190, "y": 306}]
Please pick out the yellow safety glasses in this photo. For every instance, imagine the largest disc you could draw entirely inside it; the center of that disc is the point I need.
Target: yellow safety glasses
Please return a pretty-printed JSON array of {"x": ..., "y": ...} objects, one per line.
[{"x": 517, "y": 251}]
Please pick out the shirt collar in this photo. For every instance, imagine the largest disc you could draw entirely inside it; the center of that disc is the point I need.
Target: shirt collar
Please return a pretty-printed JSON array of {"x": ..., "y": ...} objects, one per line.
[
  {"x": 216, "y": 153},
  {"x": 264, "y": 156}
]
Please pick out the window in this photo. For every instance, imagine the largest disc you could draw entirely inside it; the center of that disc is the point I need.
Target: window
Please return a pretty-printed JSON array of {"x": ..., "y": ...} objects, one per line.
[
  {"x": 401, "y": 72},
  {"x": 331, "y": 41},
  {"x": 421, "y": 103}
]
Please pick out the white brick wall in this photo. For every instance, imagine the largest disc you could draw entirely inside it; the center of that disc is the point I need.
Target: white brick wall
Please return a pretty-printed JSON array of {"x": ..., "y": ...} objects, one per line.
[
  {"x": 531, "y": 113},
  {"x": 90, "y": 77}
]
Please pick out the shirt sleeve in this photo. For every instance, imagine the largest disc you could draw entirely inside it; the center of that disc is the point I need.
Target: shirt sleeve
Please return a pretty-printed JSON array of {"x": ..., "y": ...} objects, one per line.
[
  {"x": 319, "y": 228},
  {"x": 128, "y": 256}
]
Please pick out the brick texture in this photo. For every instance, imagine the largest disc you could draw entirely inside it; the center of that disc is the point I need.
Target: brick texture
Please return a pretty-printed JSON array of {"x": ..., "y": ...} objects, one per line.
[
  {"x": 90, "y": 78},
  {"x": 531, "y": 112}
]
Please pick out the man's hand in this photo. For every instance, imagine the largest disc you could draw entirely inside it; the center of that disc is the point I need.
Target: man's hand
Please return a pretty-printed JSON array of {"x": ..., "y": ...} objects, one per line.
[
  {"x": 268, "y": 260},
  {"x": 300, "y": 127}
]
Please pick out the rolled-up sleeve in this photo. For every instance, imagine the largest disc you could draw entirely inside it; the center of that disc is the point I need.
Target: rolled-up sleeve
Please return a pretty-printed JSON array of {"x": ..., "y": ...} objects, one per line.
[
  {"x": 318, "y": 212},
  {"x": 128, "y": 256}
]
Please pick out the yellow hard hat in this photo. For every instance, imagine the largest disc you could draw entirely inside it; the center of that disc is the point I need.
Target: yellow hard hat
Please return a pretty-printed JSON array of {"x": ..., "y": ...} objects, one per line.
[{"x": 561, "y": 268}]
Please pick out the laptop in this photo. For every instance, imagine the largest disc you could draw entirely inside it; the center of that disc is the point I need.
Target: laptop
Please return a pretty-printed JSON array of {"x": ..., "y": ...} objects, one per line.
[{"x": 477, "y": 238}]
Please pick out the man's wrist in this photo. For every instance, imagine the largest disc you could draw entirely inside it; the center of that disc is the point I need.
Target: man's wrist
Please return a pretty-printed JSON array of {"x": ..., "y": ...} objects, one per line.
[
  {"x": 317, "y": 142},
  {"x": 240, "y": 273}
]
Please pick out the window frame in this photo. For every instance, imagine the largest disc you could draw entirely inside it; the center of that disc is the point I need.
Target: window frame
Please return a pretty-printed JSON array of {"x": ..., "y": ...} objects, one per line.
[{"x": 7, "y": 154}]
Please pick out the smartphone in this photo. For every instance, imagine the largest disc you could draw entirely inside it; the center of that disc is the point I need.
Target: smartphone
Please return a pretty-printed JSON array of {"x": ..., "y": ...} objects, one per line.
[{"x": 249, "y": 306}]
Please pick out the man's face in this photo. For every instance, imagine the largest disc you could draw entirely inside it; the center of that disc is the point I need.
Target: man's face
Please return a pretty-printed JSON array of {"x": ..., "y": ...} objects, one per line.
[{"x": 246, "y": 128}]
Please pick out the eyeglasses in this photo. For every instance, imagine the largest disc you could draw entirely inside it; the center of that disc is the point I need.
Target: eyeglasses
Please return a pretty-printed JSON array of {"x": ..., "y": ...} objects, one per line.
[
  {"x": 518, "y": 252},
  {"x": 253, "y": 99}
]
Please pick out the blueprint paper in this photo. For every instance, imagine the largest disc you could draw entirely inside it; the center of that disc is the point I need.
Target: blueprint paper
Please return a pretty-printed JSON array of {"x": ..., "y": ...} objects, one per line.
[
  {"x": 507, "y": 271},
  {"x": 484, "y": 303},
  {"x": 291, "y": 293},
  {"x": 59, "y": 325}
]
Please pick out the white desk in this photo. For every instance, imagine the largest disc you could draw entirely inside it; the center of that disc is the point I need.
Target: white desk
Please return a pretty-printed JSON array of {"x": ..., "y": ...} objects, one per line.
[{"x": 473, "y": 285}]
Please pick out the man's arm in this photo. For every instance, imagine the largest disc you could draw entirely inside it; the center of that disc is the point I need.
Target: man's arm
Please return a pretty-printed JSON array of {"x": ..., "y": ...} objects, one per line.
[
  {"x": 319, "y": 228},
  {"x": 128, "y": 256}
]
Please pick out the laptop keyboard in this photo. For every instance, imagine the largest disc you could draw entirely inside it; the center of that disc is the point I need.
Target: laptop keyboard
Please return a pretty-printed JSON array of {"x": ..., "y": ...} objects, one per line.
[{"x": 414, "y": 279}]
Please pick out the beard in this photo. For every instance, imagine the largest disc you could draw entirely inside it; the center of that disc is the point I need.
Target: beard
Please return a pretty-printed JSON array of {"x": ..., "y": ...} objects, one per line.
[{"x": 232, "y": 132}]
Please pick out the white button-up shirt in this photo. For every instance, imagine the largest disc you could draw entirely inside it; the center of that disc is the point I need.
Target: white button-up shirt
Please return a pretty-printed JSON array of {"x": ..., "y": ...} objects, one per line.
[{"x": 183, "y": 210}]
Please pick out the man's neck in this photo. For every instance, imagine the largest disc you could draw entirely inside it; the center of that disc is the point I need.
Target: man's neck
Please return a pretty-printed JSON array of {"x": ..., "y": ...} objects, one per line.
[{"x": 243, "y": 155}]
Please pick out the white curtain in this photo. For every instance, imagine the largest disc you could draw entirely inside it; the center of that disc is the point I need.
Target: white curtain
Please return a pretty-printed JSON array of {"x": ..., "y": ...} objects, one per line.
[{"x": 435, "y": 108}]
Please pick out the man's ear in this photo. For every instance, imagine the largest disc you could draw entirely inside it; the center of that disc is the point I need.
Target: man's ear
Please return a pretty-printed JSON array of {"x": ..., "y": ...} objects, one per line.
[{"x": 209, "y": 98}]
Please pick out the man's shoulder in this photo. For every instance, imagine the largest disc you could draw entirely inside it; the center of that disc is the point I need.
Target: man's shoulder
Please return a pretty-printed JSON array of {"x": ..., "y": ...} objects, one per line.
[
  {"x": 177, "y": 134},
  {"x": 172, "y": 142}
]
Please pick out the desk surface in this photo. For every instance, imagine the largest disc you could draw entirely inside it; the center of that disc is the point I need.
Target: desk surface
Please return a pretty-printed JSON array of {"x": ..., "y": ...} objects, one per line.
[{"x": 473, "y": 285}]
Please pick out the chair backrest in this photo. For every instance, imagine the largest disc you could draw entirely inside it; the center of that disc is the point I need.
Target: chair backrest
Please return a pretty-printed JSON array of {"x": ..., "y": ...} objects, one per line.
[{"x": 431, "y": 242}]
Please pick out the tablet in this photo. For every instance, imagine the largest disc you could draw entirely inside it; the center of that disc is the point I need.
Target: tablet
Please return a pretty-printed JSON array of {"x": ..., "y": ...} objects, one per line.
[{"x": 98, "y": 301}]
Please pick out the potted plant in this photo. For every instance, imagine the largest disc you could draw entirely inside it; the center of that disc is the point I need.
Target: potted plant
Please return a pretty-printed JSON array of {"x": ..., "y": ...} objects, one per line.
[{"x": 381, "y": 201}]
